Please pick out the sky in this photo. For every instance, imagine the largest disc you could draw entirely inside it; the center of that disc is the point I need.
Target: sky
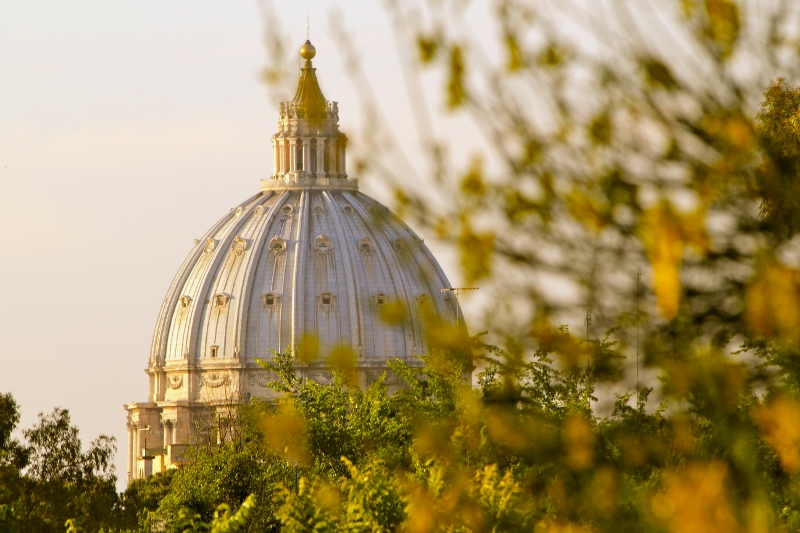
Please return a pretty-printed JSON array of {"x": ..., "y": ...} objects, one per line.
[{"x": 127, "y": 129}]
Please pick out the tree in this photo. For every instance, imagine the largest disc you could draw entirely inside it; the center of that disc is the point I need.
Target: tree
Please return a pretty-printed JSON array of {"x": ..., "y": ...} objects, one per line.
[
  {"x": 50, "y": 479},
  {"x": 639, "y": 152}
]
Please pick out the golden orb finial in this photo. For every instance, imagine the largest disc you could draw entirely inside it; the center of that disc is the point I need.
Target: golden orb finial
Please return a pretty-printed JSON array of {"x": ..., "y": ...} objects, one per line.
[{"x": 307, "y": 51}]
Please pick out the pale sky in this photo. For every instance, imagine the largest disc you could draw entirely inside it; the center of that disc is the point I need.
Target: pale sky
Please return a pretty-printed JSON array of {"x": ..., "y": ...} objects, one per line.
[{"x": 127, "y": 128}]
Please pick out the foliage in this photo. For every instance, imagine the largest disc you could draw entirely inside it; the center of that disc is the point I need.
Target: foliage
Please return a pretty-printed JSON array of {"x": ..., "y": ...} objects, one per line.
[
  {"x": 49, "y": 479},
  {"x": 627, "y": 169}
]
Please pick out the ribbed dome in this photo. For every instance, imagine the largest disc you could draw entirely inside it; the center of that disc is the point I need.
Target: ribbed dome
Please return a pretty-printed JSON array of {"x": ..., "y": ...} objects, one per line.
[{"x": 291, "y": 262}]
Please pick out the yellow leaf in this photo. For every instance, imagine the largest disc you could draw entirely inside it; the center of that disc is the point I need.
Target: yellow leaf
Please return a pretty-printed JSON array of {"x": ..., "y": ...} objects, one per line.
[
  {"x": 308, "y": 349},
  {"x": 472, "y": 182},
  {"x": 457, "y": 94},
  {"x": 579, "y": 441},
  {"x": 515, "y": 60},
  {"x": 723, "y": 24},
  {"x": 477, "y": 251},
  {"x": 695, "y": 500},
  {"x": 772, "y": 304},
  {"x": 663, "y": 243},
  {"x": 393, "y": 312},
  {"x": 343, "y": 359},
  {"x": 780, "y": 425}
]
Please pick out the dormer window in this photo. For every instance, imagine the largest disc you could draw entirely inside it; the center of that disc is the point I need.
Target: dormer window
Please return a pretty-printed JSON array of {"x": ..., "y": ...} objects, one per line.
[
  {"x": 323, "y": 243},
  {"x": 238, "y": 246},
  {"x": 365, "y": 245},
  {"x": 318, "y": 209},
  {"x": 348, "y": 210},
  {"x": 212, "y": 351},
  {"x": 219, "y": 300},
  {"x": 287, "y": 209},
  {"x": 326, "y": 299},
  {"x": 277, "y": 245},
  {"x": 270, "y": 300},
  {"x": 185, "y": 301},
  {"x": 381, "y": 298}
]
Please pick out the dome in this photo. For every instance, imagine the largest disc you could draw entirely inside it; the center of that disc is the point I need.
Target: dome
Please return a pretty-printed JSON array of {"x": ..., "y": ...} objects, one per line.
[
  {"x": 297, "y": 261},
  {"x": 308, "y": 255}
]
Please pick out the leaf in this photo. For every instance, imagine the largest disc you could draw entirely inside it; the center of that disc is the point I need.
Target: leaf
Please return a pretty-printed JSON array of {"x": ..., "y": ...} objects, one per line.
[
  {"x": 663, "y": 243},
  {"x": 658, "y": 75},
  {"x": 343, "y": 360},
  {"x": 393, "y": 312},
  {"x": 772, "y": 303},
  {"x": 308, "y": 349},
  {"x": 472, "y": 182},
  {"x": 600, "y": 129},
  {"x": 779, "y": 423},
  {"x": 455, "y": 84},
  {"x": 723, "y": 24},
  {"x": 477, "y": 251},
  {"x": 515, "y": 57},
  {"x": 427, "y": 49}
]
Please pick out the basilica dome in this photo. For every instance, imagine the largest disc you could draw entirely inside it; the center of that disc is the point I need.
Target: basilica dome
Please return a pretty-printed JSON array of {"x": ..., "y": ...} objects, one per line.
[{"x": 308, "y": 255}]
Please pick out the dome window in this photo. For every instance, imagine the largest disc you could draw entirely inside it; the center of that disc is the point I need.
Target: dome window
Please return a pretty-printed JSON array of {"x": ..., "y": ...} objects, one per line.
[
  {"x": 220, "y": 300},
  {"x": 212, "y": 351},
  {"x": 318, "y": 209},
  {"x": 270, "y": 299},
  {"x": 259, "y": 210},
  {"x": 348, "y": 209},
  {"x": 210, "y": 245},
  {"x": 400, "y": 245},
  {"x": 326, "y": 299},
  {"x": 365, "y": 245},
  {"x": 185, "y": 301},
  {"x": 239, "y": 211},
  {"x": 423, "y": 300},
  {"x": 287, "y": 209},
  {"x": 323, "y": 243},
  {"x": 239, "y": 245},
  {"x": 277, "y": 245},
  {"x": 381, "y": 298}
]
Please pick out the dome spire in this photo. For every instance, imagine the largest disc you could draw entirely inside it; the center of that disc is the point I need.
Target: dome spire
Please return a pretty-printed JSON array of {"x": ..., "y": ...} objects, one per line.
[
  {"x": 308, "y": 149},
  {"x": 309, "y": 96}
]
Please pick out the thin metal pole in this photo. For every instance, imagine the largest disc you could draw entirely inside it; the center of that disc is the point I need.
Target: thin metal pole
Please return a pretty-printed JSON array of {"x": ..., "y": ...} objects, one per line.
[
  {"x": 638, "y": 284},
  {"x": 456, "y": 290}
]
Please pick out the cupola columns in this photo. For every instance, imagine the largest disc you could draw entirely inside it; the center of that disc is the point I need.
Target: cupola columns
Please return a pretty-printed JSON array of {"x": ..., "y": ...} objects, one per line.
[{"x": 308, "y": 145}]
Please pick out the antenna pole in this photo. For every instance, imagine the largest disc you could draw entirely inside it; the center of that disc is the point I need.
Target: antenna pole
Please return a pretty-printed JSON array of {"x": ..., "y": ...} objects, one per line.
[
  {"x": 456, "y": 290},
  {"x": 638, "y": 284}
]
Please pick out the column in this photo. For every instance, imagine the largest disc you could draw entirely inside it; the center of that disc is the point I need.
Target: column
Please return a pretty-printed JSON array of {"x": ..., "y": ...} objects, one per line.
[
  {"x": 274, "y": 157},
  {"x": 292, "y": 154},
  {"x": 343, "y": 160},
  {"x": 307, "y": 155},
  {"x": 320, "y": 157},
  {"x": 131, "y": 465}
]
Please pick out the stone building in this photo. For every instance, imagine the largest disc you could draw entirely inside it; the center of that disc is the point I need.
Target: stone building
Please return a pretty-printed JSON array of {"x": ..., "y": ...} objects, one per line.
[{"x": 307, "y": 254}]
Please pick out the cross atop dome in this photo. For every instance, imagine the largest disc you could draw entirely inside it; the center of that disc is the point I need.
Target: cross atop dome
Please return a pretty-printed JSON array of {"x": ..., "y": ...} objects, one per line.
[{"x": 308, "y": 149}]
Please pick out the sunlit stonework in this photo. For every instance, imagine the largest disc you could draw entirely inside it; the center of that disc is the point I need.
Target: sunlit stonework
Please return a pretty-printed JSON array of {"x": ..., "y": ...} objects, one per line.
[{"x": 308, "y": 255}]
